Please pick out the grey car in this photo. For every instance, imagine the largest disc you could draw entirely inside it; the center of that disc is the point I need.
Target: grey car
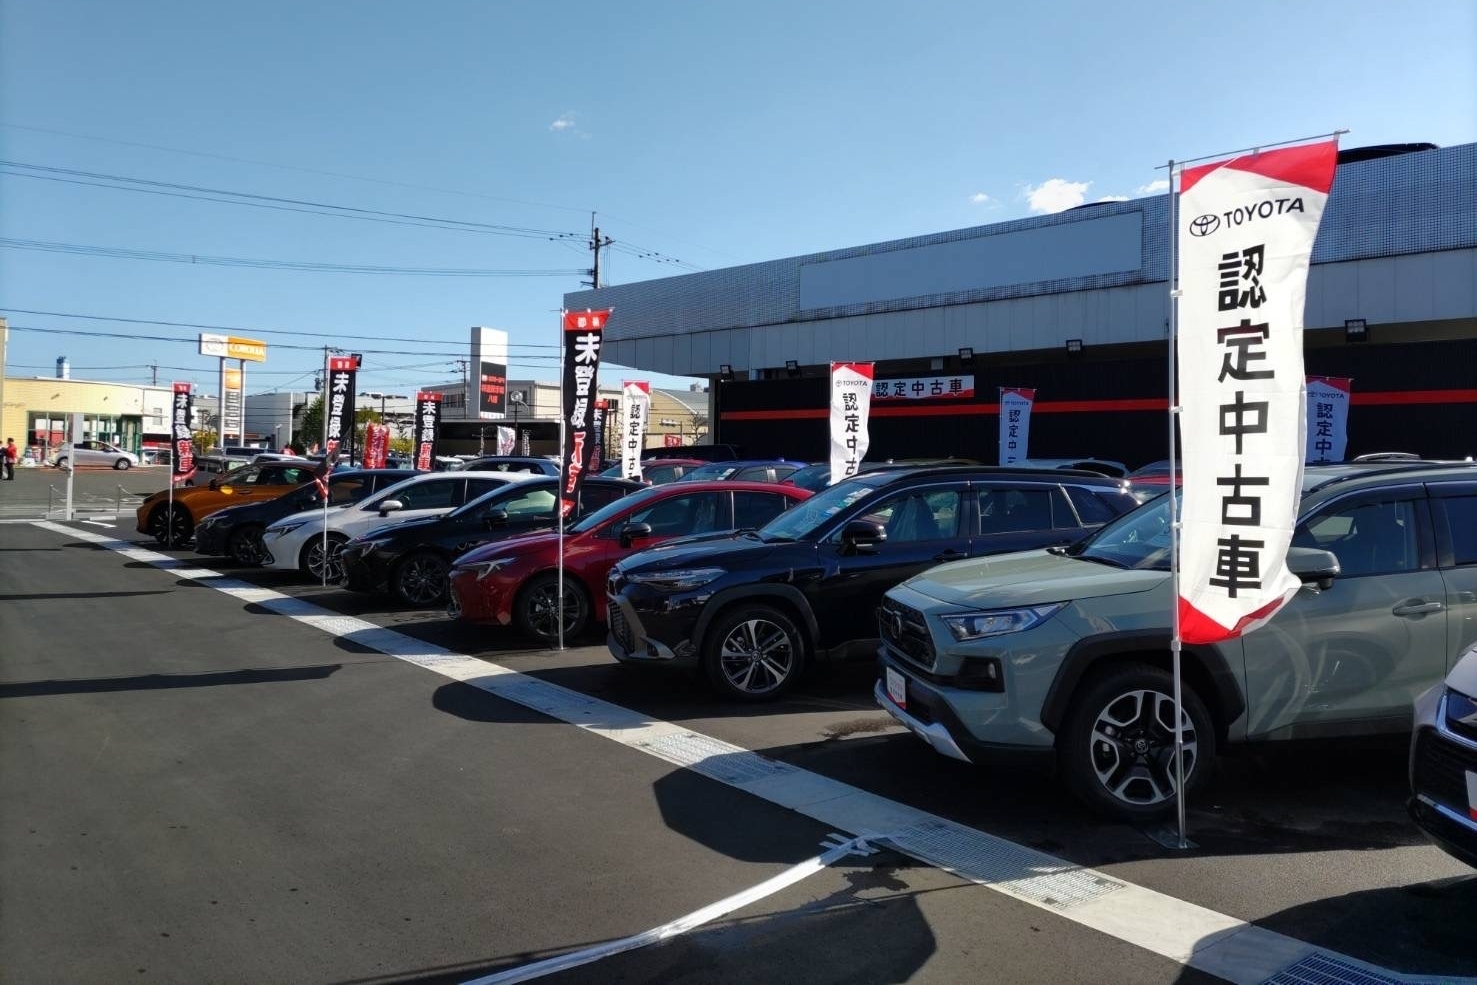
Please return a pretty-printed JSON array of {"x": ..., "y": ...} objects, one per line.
[
  {"x": 1065, "y": 653},
  {"x": 1443, "y": 762}
]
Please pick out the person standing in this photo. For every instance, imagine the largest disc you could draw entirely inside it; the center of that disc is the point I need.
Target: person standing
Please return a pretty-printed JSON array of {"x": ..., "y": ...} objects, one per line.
[{"x": 8, "y": 458}]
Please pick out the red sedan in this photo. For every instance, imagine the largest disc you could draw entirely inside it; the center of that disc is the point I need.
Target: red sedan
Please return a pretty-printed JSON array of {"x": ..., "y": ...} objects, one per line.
[{"x": 515, "y": 581}]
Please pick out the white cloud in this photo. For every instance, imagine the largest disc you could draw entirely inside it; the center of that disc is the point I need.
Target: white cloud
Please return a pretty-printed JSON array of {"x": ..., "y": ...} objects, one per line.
[
  {"x": 565, "y": 122},
  {"x": 980, "y": 198},
  {"x": 1113, "y": 198},
  {"x": 1153, "y": 188},
  {"x": 1056, "y": 195}
]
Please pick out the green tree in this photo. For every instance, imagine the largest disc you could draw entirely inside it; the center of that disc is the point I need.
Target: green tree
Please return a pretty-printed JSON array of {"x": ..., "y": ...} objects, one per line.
[{"x": 310, "y": 431}]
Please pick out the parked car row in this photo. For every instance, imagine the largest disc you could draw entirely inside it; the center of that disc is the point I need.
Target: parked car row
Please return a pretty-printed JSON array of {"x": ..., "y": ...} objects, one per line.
[{"x": 1017, "y": 613}]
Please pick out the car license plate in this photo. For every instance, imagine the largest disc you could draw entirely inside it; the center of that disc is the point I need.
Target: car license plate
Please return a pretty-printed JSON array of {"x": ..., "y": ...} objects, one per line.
[
  {"x": 1472, "y": 795},
  {"x": 897, "y": 692}
]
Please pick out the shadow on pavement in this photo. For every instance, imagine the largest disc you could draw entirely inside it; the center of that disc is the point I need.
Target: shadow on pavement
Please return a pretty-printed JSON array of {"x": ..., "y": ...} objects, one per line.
[
  {"x": 41, "y": 596},
  {"x": 153, "y": 682}
]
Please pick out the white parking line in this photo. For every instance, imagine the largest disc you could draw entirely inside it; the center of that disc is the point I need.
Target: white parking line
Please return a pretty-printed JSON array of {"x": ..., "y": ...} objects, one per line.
[{"x": 1185, "y": 932}]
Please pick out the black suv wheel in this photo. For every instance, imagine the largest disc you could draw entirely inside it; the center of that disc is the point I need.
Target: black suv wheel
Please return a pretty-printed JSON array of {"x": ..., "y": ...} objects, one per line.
[
  {"x": 420, "y": 579},
  {"x": 246, "y": 547},
  {"x": 160, "y": 524},
  {"x": 1116, "y": 750},
  {"x": 754, "y": 653}
]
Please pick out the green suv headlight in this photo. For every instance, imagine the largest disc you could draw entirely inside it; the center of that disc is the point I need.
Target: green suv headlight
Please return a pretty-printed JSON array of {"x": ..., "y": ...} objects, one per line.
[
  {"x": 682, "y": 580},
  {"x": 998, "y": 622}
]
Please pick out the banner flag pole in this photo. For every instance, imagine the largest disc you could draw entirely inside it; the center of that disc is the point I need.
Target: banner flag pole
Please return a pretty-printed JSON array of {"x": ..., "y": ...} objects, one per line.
[
  {"x": 1174, "y": 520},
  {"x": 563, "y": 478}
]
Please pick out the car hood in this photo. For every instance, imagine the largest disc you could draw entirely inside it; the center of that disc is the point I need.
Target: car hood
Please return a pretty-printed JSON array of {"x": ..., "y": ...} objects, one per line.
[
  {"x": 415, "y": 523},
  {"x": 523, "y": 544},
  {"x": 1463, "y": 676},
  {"x": 1029, "y": 578},
  {"x": 704, "y": 549}
]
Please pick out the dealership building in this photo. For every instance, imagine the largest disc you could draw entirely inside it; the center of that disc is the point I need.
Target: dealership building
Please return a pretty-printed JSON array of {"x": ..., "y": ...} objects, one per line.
[{"x": 1076, "y": 306}]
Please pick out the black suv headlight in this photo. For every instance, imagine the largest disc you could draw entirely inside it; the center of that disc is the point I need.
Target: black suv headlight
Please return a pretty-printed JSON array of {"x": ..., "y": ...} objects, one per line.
[{"x": 679, "y": 580}]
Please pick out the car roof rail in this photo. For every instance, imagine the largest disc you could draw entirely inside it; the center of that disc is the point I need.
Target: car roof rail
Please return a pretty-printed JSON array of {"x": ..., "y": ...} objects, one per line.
[
  {"x": 1391, "y": 469},
  {"x": 899, "y": 472}
]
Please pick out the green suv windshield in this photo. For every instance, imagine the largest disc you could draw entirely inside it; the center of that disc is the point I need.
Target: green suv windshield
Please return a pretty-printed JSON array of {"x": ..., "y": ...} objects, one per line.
[{"x": 1137, "y": 540}]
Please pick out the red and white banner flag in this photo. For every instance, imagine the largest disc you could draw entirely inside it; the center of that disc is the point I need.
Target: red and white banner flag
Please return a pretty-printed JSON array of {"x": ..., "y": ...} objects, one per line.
[
  {"x": 635, "y": 409},
  {"x": 1246, "y": 231},
  {"x": 1328, "y": 418},
  {"x": 182, "y": 459},
  {"x": 376, "y": 445},
  {"x": 584, "y": 334},
  {"x": 851, "y": 403},
  {"x": 427, "y": 416},
  {"x": 506, "y": 439},
  {"x": 1015, "y": 422}
]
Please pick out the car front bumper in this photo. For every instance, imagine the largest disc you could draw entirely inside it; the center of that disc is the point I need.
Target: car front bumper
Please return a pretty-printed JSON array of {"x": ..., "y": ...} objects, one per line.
[
  {"x": 643, "y": 630},
  {"x": 1443, "y": 771}
]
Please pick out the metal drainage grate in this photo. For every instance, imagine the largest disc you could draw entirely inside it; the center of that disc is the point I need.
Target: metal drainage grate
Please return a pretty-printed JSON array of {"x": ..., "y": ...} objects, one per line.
[
  {"x": 718, "y": 760},
  {"x": 1325, "y": 969},
  {"x": 1000, "y": 864}
]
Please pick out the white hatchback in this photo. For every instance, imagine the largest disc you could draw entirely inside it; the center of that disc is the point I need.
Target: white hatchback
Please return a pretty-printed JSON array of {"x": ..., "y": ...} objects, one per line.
[{"x": 298, "y": 542}]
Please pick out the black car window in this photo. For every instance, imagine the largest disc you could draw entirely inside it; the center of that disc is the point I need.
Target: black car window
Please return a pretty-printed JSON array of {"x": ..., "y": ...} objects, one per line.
[
  {"x": 754, "y": 473},
  {"x": 248, "y": 476},
  {"x": 593, "y": 497},
  {"x": 925, "y": 514},
  {"x": 428, "y": 495},
  {"x": 752, "y": 510},
  {"x": 1461, "y": 519},
  {"x": 534, "y": 502},
  {"x": 344, "y": 491},
  {"x": 1092, "y": 508},
  {"x": 295, "y": 476},
  {"x": 1013, "y": 510},
  {"x": 476, "y": 487},
  {"x": 678, "y": 516},
  {"x": 1367, "y": 538}
]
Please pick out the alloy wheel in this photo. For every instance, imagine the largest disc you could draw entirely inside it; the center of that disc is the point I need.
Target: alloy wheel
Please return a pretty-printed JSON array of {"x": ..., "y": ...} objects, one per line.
[
  {"x": 543, "y": 602},
  {"x": 421, "y": 580},
  {"x": 1131, "y": 747},
  {"x": 757, "y": 656},
  {"x": 315, "y": 559}
]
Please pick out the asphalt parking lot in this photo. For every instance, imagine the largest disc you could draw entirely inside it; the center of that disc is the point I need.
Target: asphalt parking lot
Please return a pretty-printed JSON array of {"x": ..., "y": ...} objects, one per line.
[{"x": 219, "y": 774}]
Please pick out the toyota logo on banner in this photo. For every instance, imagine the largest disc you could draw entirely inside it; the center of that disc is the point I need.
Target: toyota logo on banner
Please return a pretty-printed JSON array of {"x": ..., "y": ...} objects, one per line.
[{"x": 1204, "y": 225}]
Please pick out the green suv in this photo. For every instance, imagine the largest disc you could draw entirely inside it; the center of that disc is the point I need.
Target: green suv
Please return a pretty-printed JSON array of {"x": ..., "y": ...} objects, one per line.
[{"x": 1064, "y": 653}]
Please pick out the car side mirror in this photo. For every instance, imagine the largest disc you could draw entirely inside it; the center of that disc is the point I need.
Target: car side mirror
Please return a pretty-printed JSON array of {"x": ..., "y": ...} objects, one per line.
[
  {"x": 390, "y": 506},
  {"x": 633, "y": 532},
  {"x": 215, "y": 483},
  {"x": 495, "y": 518},
  {"x": 1313, "y": 565},
  {"x": 862, "y": 536}
]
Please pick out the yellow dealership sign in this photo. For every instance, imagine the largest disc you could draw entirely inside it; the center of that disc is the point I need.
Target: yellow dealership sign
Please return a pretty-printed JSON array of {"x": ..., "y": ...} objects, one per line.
[{"x": 231, "y": 347}]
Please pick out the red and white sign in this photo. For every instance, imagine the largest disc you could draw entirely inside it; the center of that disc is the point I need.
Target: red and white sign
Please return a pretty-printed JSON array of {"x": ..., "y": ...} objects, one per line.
[
  {"x": 507, "y": 438},
  {"x": 1328, "y": 418},
  {"x": 635, "y": 409},
  {"x": 1015, "y": 422},
  {"x": 1246, "y": 231},
  {"x": 851, "y": 404},
  {"x": 924, "y": 388},
  {"x": 671, "y": 441}
]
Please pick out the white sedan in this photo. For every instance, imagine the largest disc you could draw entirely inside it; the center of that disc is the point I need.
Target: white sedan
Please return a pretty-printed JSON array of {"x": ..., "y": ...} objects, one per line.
[
  {"x": 95, "y": 453},
  {"x": 296, "y": 542}
]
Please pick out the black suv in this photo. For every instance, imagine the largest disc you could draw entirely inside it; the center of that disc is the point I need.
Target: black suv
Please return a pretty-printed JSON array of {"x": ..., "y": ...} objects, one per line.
[
  {"x": 411, "y": 559},
  {"x": 752, "y": 608}
]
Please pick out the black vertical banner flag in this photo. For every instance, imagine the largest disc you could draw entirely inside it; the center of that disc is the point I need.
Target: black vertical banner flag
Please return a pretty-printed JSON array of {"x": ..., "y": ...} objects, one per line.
[
  {"x": 182, "y": 464},
  {"x": 427, "y": 416},
  {"x": 583, "y": 333},
  {"x": 339, "y": 409}
]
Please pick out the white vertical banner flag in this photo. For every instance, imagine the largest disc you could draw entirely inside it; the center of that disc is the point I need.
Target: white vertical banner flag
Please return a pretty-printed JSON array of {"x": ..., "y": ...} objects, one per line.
[
  {"x": 851, "y": 404},
  {"x": 506, "y": 438},
  {"x": 1015, "y": 422},
  {"x": 1328, "y": 418},
  {"x": 1246, "y": 231},
  {"x": 635, "y": 410}
]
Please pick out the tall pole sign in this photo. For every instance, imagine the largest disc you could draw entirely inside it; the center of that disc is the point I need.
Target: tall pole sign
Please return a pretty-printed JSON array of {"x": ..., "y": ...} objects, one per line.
[{"x": 230, "y": 412}]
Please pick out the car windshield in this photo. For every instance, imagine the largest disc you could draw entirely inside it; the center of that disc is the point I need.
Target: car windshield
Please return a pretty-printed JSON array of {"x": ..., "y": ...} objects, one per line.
[
  {"x": 1139, "y": 539},
  {"x": 492, "y": 500},
  {"x": 804, "y": 519},
  {"x": 615, "y": 509},
  {"x": 709, "y": 473}
]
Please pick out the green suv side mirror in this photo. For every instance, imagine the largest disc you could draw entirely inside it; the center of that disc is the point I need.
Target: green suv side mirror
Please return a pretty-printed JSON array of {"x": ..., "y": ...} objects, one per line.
[{"x": 1313, "y": 565}]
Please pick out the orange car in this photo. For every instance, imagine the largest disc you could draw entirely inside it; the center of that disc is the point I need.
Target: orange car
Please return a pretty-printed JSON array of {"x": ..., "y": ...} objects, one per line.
[{"x": 248, "y": 484}]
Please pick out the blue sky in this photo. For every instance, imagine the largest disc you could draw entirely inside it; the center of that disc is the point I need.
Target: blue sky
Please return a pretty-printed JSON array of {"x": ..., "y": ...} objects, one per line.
[{"x": 709, "y": 134}]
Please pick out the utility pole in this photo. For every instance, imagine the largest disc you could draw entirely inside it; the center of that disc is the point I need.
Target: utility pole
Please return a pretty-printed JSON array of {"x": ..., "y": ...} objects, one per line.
[
  {"x": 154, "y": 368},
  {"x": 596, "y": 243}
]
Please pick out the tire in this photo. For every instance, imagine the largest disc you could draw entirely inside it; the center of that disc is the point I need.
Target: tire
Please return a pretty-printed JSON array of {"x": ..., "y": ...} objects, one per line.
[
  {"x": 753, "y": 653},
  {"x": 184, "y": 527},
  {"x": 1116, "y": 749},
  {"x": 310, "y": 558},
  {"x": 63, "y": 463},
  {"x": 533, "y": 613},
  {"x": 122, "y": 465},
  {"x": 420, "y": 580},
  {"x": 246, "y": 547}
]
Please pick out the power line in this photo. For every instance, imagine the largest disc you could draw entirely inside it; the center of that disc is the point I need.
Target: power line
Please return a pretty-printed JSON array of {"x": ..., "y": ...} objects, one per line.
[
  {"x": 237, "y": 328},
  {"x": 178, "y": 190},
  {"x": 195, "y": 259}
]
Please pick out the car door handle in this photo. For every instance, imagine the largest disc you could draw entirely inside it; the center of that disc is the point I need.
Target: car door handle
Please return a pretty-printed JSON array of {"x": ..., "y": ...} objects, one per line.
[
  {"x": 1417, "y": 608},
  {"x": 950, "y": 556}
]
